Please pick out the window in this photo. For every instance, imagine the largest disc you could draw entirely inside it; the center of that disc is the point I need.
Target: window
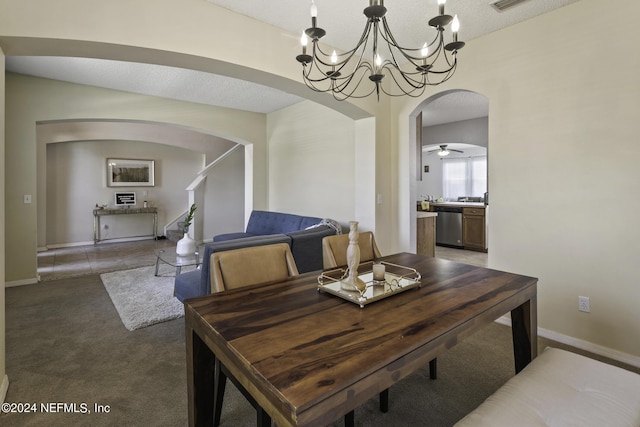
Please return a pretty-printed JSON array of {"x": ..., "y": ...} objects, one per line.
[{"x": 464, "y": 177}]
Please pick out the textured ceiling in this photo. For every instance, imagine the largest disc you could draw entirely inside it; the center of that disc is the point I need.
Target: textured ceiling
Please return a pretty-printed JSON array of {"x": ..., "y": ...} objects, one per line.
[
  {"x": 343, "y": 21},
  {"x": 155, "y": 80}
]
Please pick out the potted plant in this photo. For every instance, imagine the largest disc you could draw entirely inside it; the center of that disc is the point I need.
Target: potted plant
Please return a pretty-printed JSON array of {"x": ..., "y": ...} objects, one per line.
[{"x": 186, "y": 245}]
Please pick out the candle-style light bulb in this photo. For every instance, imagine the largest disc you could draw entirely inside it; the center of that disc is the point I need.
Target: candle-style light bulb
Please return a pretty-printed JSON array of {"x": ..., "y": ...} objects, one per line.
[
  {"x": 455, "y": 27},
  {"x": 378, "y": 61},
  {"x": 425, "y": 50},
  {"x": 304, "y": 40},
  {"x": 314, "y": 14},
  {"x": 455, "y": 24},
  {"x": 441, "y": 6},
  {"x": 334, "y": 57}
]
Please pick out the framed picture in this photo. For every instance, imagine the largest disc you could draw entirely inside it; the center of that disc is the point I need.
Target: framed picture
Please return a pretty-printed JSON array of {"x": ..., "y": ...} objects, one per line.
[{"x": 130, "y": 173}]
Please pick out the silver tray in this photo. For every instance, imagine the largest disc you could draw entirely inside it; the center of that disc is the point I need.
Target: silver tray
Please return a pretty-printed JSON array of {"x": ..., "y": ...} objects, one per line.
[{"x": 397, "y": 279}]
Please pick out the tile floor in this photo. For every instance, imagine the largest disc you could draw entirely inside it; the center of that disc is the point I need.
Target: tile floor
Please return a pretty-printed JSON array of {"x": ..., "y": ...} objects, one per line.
[
  {"x": 100, "y": 258},
  {"x": 105, "y": 257}
]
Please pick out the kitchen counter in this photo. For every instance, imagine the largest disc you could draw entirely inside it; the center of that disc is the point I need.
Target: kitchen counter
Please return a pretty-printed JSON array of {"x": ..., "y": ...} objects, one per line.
[
  {"x": 426, "y": 214},
  {"x": 459, "y": 204}
]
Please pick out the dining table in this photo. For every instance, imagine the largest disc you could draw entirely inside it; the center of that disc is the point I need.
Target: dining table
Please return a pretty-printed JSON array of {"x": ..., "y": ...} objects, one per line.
[{"x": 308, "y": 357}]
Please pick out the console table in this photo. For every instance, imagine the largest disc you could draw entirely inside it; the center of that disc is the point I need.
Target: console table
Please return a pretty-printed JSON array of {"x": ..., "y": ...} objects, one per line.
[{"x": 97, "y": 213}]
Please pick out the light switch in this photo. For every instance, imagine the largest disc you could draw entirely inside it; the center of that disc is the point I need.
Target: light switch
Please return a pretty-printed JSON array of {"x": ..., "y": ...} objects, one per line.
[{"x": 27, "y": 199}]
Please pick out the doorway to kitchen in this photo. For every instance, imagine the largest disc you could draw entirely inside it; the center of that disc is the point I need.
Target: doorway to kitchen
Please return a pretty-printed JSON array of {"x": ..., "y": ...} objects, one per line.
[{"x": 452, "y": 157}]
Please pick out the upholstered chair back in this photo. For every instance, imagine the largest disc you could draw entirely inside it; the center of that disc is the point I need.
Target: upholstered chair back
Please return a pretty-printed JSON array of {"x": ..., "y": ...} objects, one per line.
[
  {"x": 334, "y": 249},
  {"x": 250, "y": 266}
]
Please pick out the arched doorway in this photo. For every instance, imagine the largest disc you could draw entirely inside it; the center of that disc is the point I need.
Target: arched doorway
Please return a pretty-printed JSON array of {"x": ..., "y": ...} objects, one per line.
[{"x": 456, "y": 118}]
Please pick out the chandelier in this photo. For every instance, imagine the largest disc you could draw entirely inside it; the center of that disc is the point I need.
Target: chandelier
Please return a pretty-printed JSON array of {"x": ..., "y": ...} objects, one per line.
[{"x": 409, "y": 69}]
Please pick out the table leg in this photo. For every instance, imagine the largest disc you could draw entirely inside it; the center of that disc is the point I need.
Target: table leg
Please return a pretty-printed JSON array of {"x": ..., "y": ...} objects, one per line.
[
  {"x": 157, "y": 265},
  {"x": 349, "y": 419},
  {"x": 96, "y": 228},
  {"x": 433, "y": 369},
  {"x": 200, "y": 379},
  {"x": 155, "y": 226},
  {"x": 262, "y": 418},
  {"x": 178, "y": 270},
  {"x": 524, "y": 329},
  {"x": 384, "y": 401}
]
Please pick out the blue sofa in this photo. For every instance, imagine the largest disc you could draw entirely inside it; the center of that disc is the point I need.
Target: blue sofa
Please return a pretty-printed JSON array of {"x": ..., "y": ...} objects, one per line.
[
  {"x": 262, "y": 223},
  {"x": 303, "y": 234}
]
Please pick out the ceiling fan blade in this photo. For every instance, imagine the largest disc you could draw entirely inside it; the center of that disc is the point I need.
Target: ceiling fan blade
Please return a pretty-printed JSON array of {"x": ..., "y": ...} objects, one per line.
[{"x": 457, "y": 151}]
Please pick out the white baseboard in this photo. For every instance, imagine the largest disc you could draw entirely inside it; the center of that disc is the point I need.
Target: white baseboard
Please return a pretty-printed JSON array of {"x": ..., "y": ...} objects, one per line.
[
  {"x": 3, "y": 388},
  {"x": 90, "y": 242},
  {"x": 582, "y": 345},
  {"x": 21, "y": 282}
]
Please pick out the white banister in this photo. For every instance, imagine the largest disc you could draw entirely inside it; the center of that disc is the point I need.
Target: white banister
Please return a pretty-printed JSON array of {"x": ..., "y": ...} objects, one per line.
[{"x": 196, "y": 195}]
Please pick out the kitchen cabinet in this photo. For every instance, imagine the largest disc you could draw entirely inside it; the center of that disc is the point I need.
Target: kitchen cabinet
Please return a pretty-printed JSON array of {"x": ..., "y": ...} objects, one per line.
[
  {"x": 426, "y": 234},
  {"x": 474, "y": 229}
]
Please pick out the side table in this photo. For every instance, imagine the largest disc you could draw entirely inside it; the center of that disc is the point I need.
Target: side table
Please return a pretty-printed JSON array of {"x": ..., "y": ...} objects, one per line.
[{"x": 169, "y": 256}]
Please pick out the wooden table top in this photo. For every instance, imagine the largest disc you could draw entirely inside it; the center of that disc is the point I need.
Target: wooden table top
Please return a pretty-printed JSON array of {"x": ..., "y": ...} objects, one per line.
[{"x": 310, "y": 357}]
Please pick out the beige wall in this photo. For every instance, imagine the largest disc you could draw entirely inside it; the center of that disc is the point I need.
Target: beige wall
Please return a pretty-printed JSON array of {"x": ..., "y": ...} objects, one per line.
[
  {"x": 76, "y": 181},
  {"x": 311, "y": 162},
  {"x": 563, "y": 174}
]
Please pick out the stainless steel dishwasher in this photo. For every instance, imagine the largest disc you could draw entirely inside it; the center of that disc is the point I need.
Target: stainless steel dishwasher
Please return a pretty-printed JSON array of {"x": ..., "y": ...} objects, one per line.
[{"x": 449, "y": 226}]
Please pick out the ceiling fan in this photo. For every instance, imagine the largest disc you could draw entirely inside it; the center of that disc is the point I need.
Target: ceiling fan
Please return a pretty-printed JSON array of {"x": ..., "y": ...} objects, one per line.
[{"x": 444, "y": 151}]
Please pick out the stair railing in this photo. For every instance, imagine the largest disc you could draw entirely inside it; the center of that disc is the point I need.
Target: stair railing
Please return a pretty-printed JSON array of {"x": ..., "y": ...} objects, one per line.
[{"x": 195, "y": 192}]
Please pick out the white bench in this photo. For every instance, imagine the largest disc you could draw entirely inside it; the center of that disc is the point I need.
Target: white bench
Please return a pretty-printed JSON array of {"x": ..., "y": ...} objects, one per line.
[{"x": 559, "y": 388}]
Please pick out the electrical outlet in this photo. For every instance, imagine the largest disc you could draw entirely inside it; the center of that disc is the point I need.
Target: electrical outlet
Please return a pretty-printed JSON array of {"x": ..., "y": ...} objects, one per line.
[{"x": 584, "y": 304}]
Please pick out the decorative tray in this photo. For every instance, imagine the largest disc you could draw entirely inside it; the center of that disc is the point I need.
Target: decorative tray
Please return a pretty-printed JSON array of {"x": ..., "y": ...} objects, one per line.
[{"x": 397, "y": 278}]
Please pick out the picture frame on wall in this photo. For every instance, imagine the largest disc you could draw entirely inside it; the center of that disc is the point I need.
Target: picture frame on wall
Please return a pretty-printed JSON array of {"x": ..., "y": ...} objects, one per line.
[{"x": 130, "y": 173}]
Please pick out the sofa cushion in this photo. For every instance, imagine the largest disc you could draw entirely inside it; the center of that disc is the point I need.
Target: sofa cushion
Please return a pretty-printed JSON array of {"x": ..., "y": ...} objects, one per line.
[
  {"x": 306, "y": 247},
  {"x": 265, "y": 222},
  {"x": 231, "y": 236},
  {"x": 187, "y": 285}
]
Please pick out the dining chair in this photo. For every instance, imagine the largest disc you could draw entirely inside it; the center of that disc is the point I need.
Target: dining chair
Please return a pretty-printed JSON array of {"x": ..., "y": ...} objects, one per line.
[
  {"x": 334, "y": 249},
  {"x": 235, "y": 269},
  {"x": 334, "y": 254}
]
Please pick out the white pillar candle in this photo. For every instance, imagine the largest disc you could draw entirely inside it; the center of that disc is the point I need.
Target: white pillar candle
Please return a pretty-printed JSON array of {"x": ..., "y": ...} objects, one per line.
[{"x": 378, "y": 272}]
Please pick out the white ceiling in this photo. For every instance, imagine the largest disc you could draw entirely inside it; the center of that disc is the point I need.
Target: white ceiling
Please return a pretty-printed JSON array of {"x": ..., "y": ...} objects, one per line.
[{"x": 343, "y": 21}]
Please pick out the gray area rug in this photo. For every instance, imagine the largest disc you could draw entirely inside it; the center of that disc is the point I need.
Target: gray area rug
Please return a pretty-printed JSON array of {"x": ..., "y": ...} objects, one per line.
[{"x": 141, "y": 298}]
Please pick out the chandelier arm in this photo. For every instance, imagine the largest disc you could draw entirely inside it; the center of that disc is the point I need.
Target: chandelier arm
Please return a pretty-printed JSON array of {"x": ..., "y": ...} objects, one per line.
[
  {"x": 415, "y": 84},
  {"x": 414, "y": 93},
  {"x": 332, "y": 74},
  {"x": 387, "y": 35},
  {"x": 344, "y": 82},
  {"x": 414, "y": 90},
  {"x": 339, "y": 65},
  {"x": 364, "y": 38},
  {"x": 352, "y": 94}
]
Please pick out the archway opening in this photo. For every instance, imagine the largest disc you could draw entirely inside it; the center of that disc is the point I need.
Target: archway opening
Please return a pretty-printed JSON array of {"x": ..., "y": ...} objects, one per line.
[{"x": 457, "y": 119}]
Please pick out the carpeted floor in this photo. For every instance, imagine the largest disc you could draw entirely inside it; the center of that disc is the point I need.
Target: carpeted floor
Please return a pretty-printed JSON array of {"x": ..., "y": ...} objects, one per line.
[{"x": 66, "y": 344}]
